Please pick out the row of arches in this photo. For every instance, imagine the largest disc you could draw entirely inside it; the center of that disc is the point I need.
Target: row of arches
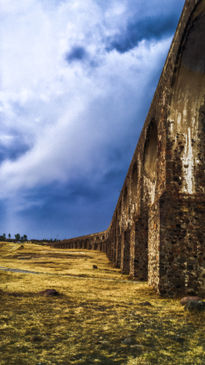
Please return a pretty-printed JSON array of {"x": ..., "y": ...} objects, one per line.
[
  {"x": 157, "y": 231},
  {"x": 166, "y": 181},
  {"x": 128, "y": 233}
]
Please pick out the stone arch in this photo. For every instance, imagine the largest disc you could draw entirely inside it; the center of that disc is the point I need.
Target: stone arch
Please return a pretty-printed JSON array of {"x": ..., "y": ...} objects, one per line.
[
  {"x": 126, "y": 253},
  {"x": 134, "y": 179},
  {"x": 118, "y": 242},
  {"x": 125, "y": 195},
  {"x": 187, "y": 112},
  {"x": 124, "y": 206},
  {"x": 151, "y": 151}
]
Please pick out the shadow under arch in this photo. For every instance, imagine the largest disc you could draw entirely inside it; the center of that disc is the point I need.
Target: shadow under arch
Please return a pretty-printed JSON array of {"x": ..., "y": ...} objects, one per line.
[
  {"x": 134, "y": 179},
  {"x": 151, "y": 151}
]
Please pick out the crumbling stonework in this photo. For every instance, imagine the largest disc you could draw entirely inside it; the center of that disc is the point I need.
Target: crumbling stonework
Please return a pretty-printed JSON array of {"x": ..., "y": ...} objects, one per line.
[{"x": 157, "y": 232}]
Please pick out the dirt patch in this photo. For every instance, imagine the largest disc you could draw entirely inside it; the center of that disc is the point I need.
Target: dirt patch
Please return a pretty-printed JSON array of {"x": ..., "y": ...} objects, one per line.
[
  {"x": 44, "y": 263},
  {"x": 17, "y": 294},
  {"x": 45, "y": 293},
  {"x": 24, "y": 256}
]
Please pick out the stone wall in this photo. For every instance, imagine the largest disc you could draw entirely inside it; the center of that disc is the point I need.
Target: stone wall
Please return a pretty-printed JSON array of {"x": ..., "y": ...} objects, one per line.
[{"x": 157, "y": 231}]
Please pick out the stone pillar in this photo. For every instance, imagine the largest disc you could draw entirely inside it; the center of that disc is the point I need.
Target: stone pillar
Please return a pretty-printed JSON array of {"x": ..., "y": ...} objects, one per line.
[
  {"x": 139, "y": 249},
  {"x": 182, "y": 239},
  {"x": 117, "y": 254},
  {"x": 132, "y": 251},
  {"x": 154, "y": 246},
  {"x": 125, "y": 252},
  {"x": 114, "y": 248},
  {"x": 118, "y": 251}
]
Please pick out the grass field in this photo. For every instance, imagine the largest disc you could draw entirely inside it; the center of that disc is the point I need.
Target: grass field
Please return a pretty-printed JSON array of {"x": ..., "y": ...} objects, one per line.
[{"x": 99, "y": 317}]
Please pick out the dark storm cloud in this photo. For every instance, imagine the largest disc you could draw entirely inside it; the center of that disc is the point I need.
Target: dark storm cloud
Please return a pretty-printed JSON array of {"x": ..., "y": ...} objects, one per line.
[
  {"x": 82, "y": 210},
  {"x": 77, "y": 53},
  {"x": 12, "y": 153},
  {"x": 12, "y": 144},
  {"x": 75, "y": 208},
  {"x": 2, "y": 212},
  {"x": 148, "y": 28}
]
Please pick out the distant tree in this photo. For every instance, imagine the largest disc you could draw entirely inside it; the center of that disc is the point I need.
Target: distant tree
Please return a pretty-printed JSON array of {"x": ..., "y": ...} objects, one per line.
[
  {"x": 24, "y": 238},
  {"x": 4, "y": 236},
  {"x": 17, "y": 237},
  {"x": 9, "y": 235}
]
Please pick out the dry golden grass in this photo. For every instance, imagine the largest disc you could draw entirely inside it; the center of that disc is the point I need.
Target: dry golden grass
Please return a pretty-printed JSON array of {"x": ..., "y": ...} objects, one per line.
[
  {"x": 99, "y": 317},
  {"x": 50, "y": 260}
]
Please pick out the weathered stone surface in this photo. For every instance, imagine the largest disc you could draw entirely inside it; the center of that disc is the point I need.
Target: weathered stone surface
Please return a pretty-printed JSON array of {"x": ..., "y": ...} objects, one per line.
[
  {"x": 157, "y": 231},
  {"x": 195, "y": 306},
  {"x": 186, "y": 300}
]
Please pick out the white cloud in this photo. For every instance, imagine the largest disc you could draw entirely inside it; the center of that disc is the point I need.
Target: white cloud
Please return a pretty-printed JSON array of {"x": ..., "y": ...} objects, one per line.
[{"x": 69, "y": 114}]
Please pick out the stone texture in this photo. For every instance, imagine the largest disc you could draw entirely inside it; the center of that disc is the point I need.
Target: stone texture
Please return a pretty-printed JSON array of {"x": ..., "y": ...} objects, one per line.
[
  {"x": 185, "y": 300},
  {"x": 157, "y": 231},
  {"x": 195, "y": 306}
]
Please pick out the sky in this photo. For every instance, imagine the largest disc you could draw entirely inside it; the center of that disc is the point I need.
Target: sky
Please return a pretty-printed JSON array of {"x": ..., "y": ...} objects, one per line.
[{"x": 76, "y": 82}]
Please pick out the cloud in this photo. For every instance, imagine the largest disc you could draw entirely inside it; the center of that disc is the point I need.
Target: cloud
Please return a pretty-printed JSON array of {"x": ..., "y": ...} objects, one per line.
[
  {"x": 92, "y": 120},
  {"x": 146, "y": 21},
  {"x": 77, "y": 53},
  {"x": 12, "y": 152},
  {"x": 149, "y": 28},
  {"x": 77, "y": 79}
]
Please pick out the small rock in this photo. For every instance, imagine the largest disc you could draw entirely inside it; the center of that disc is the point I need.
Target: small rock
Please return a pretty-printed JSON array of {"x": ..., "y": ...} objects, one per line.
[
  {"x": 128, "y": 340},
  {"x": 95, "y": 267},
  {"x": 177, "y": 338},
  {"x": 105, "y": 342},
  {"x": 180, "y": 340},
  {"x": 49, "y": 293},
  {"x": 185, "y": 300},
  {"x": 137, "y": 347},
  {"x": 195, "y": 306},
  {"x": 145, "y": 304},
  {"x": 36, "y": 339}
]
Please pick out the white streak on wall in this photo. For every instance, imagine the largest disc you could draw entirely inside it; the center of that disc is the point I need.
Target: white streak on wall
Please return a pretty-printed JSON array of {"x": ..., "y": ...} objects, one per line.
[
  {"x": 188, "y": 165},
  {"x": 185, "y": 113},
  {"x": 171, "y": 127},
  {"x": 179, "y": 118}
]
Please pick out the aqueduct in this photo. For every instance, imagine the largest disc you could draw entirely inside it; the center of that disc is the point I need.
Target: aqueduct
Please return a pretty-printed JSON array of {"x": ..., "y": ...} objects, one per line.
[{"x": 157, "y": 232}]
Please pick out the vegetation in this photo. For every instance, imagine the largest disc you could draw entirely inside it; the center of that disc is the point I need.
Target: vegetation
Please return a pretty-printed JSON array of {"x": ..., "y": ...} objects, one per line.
[
  {"x": 99, "y": 318},
  {"x": 18, "y": 238}
]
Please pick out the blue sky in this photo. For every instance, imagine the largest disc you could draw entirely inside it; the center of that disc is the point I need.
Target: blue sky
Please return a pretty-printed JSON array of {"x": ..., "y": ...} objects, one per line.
[{"x": 77, "y": 78}]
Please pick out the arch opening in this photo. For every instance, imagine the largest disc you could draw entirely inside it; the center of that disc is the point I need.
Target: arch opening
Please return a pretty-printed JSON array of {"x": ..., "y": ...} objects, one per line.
[
  {"x": 134, "y": 178},
  {"x": 151, "y": 152}
]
